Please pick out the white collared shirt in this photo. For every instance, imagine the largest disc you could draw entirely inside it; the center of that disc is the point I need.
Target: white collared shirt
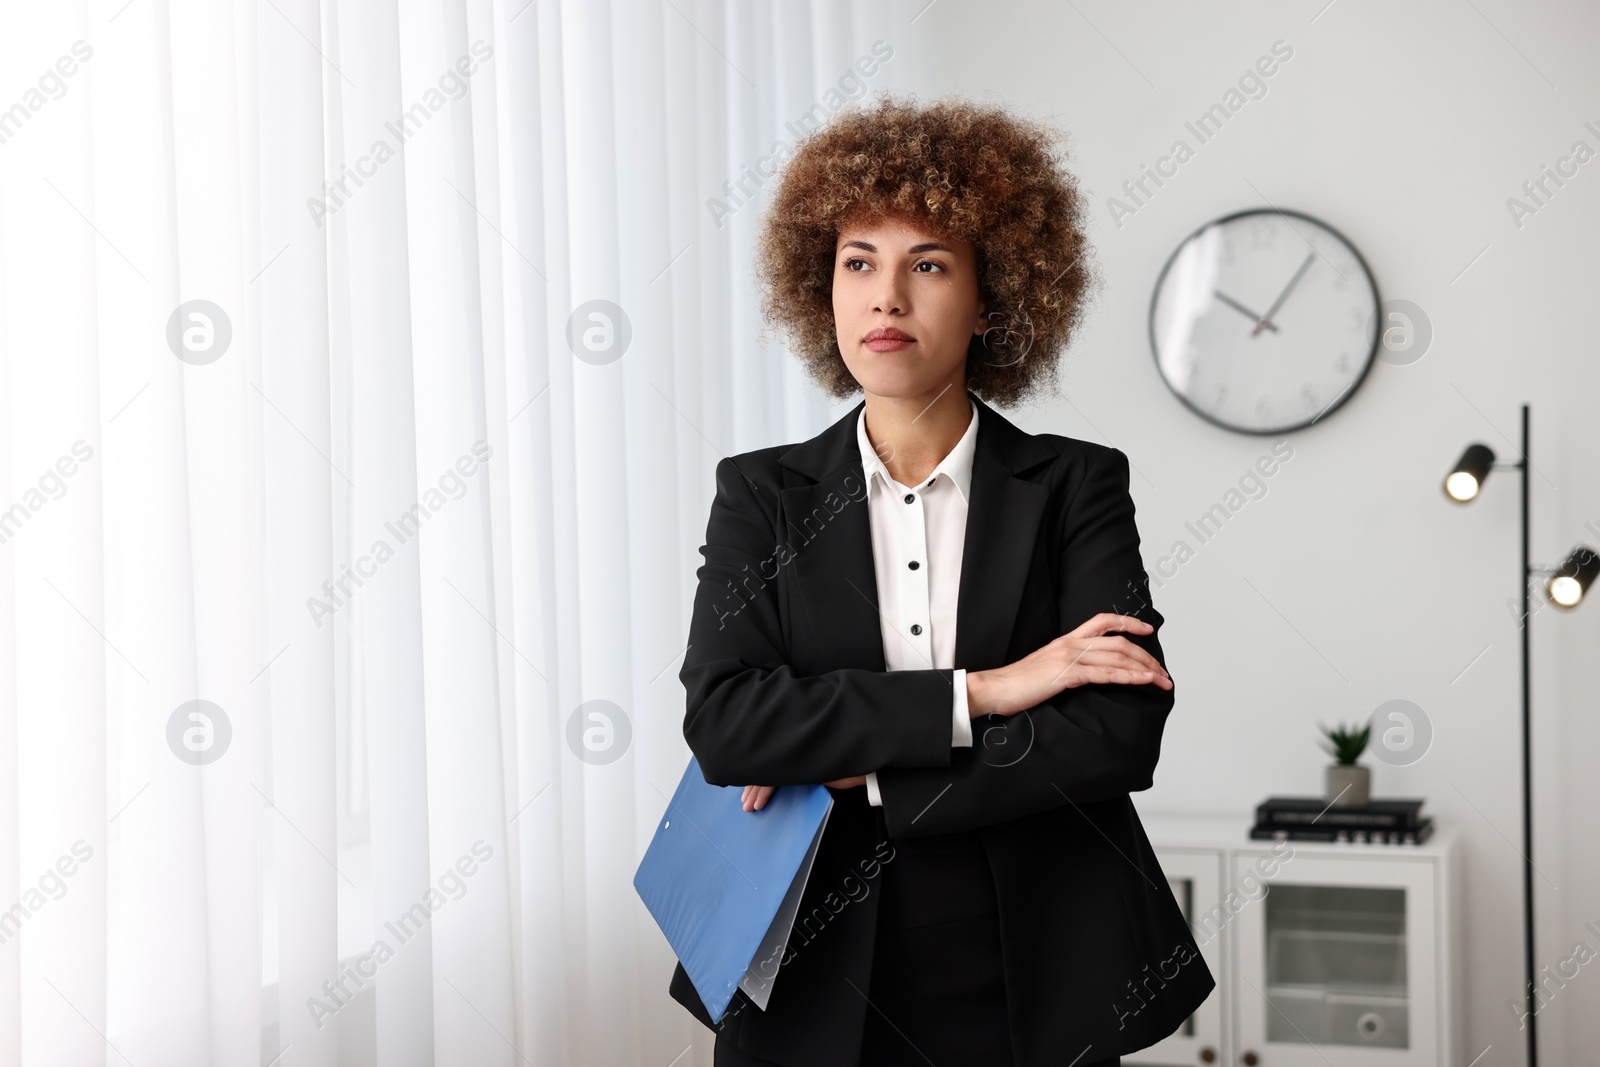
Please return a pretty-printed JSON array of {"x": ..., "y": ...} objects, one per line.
[{"x": 917, "y": 539}]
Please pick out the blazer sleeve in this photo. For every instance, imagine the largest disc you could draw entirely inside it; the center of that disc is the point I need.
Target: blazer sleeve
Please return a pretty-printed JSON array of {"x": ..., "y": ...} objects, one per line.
[
  {"x": 750, "y": 717},
  {"x": 1090, "y": 743}
]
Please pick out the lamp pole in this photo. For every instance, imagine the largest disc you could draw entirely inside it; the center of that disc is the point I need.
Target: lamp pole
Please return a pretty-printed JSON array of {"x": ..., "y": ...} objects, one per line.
[
  {"x": 1527, "y": 756},
  {"x": 1565, "y": 588}
]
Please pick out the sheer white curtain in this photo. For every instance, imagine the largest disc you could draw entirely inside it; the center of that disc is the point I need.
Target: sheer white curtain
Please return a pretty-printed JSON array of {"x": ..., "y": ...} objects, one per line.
[{"x": 293, "y": 426}]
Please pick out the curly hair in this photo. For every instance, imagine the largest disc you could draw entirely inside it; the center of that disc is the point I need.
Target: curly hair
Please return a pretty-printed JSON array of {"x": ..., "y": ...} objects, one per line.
[{"x": 975, "y": 172}]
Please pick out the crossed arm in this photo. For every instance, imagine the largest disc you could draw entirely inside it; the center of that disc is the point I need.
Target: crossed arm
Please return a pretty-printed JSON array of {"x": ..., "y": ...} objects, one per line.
[{"x": 1076, "y": 721}]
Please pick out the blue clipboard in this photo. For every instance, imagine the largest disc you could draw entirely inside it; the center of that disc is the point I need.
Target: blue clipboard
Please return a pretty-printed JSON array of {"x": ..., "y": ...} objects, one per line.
[{"x": 723, "y": 884}]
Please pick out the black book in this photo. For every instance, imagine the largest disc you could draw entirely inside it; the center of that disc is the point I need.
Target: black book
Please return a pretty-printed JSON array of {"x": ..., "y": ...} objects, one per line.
[
  {"x": 1288, "y": 812},
  {"x": 1352, "y": 835}
]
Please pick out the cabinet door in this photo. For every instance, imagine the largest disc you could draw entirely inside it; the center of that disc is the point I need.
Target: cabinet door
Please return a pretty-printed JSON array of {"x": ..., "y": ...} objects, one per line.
[
  {"x": 1335, "y": 960},
  {"x": 1195, "y": 876}
]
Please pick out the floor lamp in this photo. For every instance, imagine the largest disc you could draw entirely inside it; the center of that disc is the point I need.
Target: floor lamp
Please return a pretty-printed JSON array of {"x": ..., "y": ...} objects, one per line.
[{"x": 1564, "y": 586}]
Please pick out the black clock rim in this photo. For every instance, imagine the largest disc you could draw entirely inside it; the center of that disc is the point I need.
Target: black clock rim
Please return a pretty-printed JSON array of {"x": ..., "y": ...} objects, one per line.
[{"x": 1366, "y": 367}]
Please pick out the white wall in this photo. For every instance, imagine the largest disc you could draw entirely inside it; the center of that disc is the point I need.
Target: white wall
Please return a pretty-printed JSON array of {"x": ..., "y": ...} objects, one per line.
[{"x": 1407, "y": 127}]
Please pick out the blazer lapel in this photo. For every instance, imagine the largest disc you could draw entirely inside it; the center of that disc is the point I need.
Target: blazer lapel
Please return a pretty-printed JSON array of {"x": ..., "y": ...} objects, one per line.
[
  {"x": 830, "y": 535},
  {"x": 1003, "y": 518}
]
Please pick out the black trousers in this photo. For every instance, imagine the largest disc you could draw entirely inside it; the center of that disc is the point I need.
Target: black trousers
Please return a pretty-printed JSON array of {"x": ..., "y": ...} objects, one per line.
[{"x": 938, "y": 993}]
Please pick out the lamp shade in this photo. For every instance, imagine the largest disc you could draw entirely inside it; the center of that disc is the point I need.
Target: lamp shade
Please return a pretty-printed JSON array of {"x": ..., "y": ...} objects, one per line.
[
  {"x": 1462, "y": 483},
  {"x": 1577, "y": 573}
]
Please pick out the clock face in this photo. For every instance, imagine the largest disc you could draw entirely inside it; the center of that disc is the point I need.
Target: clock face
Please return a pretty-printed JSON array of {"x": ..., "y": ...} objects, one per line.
[{"x": 1264, "y": 321}]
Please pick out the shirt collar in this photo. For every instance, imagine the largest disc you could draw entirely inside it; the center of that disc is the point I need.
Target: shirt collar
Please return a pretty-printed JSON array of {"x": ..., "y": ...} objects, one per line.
[{"x": 956, "y": 465}]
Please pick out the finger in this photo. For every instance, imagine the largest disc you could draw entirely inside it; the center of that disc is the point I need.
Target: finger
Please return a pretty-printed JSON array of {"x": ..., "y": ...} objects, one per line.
[
  {"x": 1152, "y": 670},
  {"x": 1142, "y": 655},
  {"x": 1128, "y": 648},
  {"x": 1139, "y": 676},
  {"x": 1119, "y": 675},
  {"x": 1118, "y": 657},
  {"x": 1107, "y": 621},
  {"x": 1132, "y": 676}
]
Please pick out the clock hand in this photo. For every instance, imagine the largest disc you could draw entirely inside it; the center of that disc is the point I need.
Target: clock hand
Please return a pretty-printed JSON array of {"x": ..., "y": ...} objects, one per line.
[
  {"x": 1246, "y": 312},
  {"x": 1266, "y": 320}
]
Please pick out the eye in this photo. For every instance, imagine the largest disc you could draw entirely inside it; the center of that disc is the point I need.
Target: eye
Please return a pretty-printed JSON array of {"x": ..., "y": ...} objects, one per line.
[
  {"x": 928, "y": 263},
  {"x": 849, "y": 264}
]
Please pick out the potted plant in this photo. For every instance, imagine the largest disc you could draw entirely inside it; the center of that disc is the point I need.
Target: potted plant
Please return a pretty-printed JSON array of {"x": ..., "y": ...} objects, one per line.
[{"x": 1346, "y": 781}]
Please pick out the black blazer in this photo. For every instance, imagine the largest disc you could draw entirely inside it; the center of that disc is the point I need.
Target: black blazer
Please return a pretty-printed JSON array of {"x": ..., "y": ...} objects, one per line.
[{"x": 786, "y": 685}]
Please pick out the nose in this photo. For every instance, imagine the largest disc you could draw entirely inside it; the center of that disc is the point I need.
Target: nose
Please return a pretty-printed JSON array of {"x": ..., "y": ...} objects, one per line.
[{"x": 890, "y": 296}]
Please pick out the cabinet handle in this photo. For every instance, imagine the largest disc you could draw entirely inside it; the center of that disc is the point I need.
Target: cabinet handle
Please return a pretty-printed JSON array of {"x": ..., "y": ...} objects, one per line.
[
  {"x": 1249, "y": 1059},
  {"x": 1208, "y": 1055}
]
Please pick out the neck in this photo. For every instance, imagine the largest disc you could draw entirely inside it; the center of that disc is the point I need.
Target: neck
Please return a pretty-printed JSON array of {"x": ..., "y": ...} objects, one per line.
[{"x": 911, "y": 434}]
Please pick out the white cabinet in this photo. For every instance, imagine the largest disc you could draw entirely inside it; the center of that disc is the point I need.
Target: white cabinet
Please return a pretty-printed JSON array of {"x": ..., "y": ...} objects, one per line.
[{"x": 1333, "y": 955}]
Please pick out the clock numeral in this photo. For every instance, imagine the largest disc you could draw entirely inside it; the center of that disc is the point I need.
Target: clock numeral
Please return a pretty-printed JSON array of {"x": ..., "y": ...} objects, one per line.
[
  {"x": 1216, "y": 401},
  {"x": 1264, "y": 407},
  {"x": 1309, "y": 395},
  {"x": 1342, "y": 365},
  {"x": 1358, "y": 320},
  {"x": 1262, "y": 234}
]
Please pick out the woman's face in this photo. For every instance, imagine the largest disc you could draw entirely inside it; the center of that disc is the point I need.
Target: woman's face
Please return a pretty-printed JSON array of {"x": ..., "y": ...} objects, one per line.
[{"x": 905, "y": 305}]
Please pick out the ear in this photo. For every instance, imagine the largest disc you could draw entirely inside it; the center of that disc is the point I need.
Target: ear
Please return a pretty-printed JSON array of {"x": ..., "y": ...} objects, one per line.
[{"x": 981, "y": 323}]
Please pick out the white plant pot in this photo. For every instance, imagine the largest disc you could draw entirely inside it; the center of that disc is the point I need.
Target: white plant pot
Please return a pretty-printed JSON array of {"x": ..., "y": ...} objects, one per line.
[{"x": 1347, "y": 784}]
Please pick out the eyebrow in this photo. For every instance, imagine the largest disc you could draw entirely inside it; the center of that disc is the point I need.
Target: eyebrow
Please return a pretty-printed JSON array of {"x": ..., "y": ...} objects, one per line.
[{"x": 927, "y": 246}]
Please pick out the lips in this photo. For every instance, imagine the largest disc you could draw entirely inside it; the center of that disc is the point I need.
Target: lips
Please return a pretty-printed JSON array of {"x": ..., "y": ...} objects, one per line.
[{"x": 887, "y": 339}]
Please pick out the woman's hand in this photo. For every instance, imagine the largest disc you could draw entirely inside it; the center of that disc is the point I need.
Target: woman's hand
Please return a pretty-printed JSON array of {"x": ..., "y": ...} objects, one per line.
[
  {"x": 756, "y": 796},
  {"x": 1079, "y": 657}
]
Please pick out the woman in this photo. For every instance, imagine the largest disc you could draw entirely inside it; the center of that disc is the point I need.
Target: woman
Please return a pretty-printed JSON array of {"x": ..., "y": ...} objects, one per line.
[{"x": 946, "y": 621}]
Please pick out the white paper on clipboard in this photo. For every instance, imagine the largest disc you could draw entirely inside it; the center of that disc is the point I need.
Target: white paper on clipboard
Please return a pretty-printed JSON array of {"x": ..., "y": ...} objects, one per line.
[{"x": 763, "y": 971}]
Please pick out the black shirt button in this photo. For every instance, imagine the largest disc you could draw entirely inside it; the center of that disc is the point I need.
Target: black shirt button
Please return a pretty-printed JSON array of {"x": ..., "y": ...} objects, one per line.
[
  {"x": 913, "y": 564},
  {"x": 916, "y": 627},
  {"x": 910, "y": 498}
]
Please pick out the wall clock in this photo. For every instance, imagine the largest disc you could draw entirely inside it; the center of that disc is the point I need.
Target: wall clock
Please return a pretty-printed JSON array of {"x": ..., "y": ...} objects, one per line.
[{"x": 1264, "y": 321}]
